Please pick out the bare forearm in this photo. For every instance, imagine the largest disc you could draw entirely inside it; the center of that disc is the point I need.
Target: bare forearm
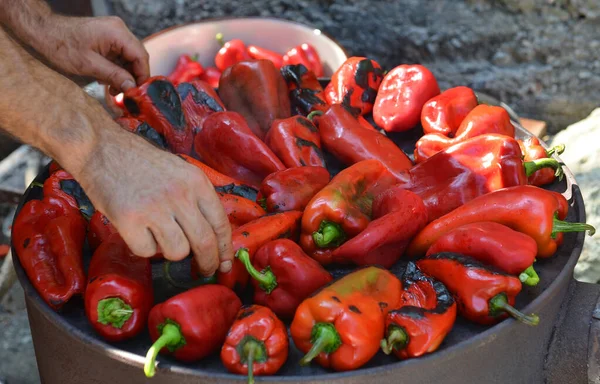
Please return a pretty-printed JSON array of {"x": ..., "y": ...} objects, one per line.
[{"x": 26, "y": 19}]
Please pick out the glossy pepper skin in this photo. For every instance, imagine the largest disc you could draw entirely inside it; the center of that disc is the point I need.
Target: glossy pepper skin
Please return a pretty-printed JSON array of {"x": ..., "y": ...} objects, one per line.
[
  {"x": 211, "y": 76},
  {"x": 527, "y": 209},
  {"x": 119, "y": 293},
  {"x": 199, "y": 100},
  {"x": 398, "y": 215},
  {"x": 305, "y": 90},
  {"x": 283, "y": 276},
  {"x": 296, "y": 142},
  {"x": 342, "y": 209},
  {"x": 492, "y": 244},
  {"x": 227, "y": 144},
  {"x": 341, "y": 326},
  {"x": 48, "y": 236},
  {"x": 240, "y": 210},
  {"x": 533, "y": 150},
  {"x": 222, "y": 183},
  {"x": 401, "y": 97},
  {"x": 191, "y": 325},
  {"x": 99, "y": 229},
  {"x": 231, "y": 52},
  {"x": 144, "y": 130},
  {"x": 355, "y": 85},
  {"x": 62, "y": 185},
  {"x": 256, "y": 344},
  {"x": 187, "y": 69},
  {"x": 260, "y": 53},
  {"x": 344, "y": 137},
  {"x": 257, "y": 91},
  {"x": 306, "y": 55},
  {"x": 292, "y": 188},
  {"x": 484, "y": 295},
  {"x": 483, "y": 119},
  {"x": 157, "y": 103},
  {"x": 445, "y": 112},
  {"x": 424, "y": 319}
]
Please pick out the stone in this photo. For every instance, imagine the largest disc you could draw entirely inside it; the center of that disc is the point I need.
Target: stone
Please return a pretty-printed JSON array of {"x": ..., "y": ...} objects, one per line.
[{"x": 582, "y": 155}]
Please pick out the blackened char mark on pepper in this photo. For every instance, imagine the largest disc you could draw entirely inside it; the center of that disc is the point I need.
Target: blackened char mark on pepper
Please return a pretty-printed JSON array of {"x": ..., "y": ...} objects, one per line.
[
  {"x": 363, "y": 70},
  {"x": 369, "y": 95},
  {"x": 150, "y": 134},
  {"x": 238, "y": 190},
  {"x": 26, "y": 242},
  {"x": 303, "y": 99},
  {"x": 354, "y": 308},
  {"x": 246, "y": 311},
  {"x": 72, "y": 188},
  {"x": 293, "y": 73},
  {"x": 305, "y": 143},
  {"x": 336, "y": 299},
  {"x": 347, "y": 103},
  {"x": 444, "y": 299},
  {"x": 166, "y": 99},
  {"x": 131, "y": 106},
  {"x": 306, "y": 123},
  {"x": 199, "y": 97},
  {"x": 466, "y": 261}
]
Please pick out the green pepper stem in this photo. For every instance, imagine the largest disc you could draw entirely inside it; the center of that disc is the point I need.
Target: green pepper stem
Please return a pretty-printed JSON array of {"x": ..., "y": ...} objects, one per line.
[
  {"x": 396, "y": 339},
  {"x": 171, "y": 335},
  {"x": 329, "y": 235},
  {"x": 324, "y": 338},
  {"x": 113, "y": 311},
  {"x": 195, "y": 57},
  {"x": 529, "y": 276},
  {"x": 500, "y": 303},
  {"x": 263, "y": 203},
  {"x": 313, "y": 114},
  {"x": 266, "y": 279},
  {"x": 535, "y": 165},
  {"x": 37, "y": 184},
  {"x": 559, "y": 226},
  {"x": 558, "y": 149},
  {"x": 220, "y": 39},
  {"x": 251, "y": 349}
]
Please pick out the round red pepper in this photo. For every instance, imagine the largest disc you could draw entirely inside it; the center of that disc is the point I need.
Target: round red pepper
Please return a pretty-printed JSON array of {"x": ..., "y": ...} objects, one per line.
[
  {"x": 230, "y": 53},
  {"x": 445, "y": 112}
]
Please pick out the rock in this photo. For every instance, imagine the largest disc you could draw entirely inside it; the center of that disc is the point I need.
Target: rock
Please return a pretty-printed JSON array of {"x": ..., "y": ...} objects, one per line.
[{"x": 581, "y": 156}]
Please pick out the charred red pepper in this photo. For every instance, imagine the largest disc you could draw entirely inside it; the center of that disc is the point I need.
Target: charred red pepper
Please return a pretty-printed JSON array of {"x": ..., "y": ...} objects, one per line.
[
  {"x": 257, "y": 343},
  {"x": 305, "y": 90},
  {"x": 257, "y": 91},
  {"x": 227, "y": 144},
  {"x": 344, "y": 137},
  {"x": 283, "y": 275},
  {"x": 99, "y": 229},
  {"x": 342, "y": 209},
  {"x": 485, "y": 295},
  {"x": 355, "y": 85},
  {"x": 191, "y": 325},
  {"x": 493, "y": 244},
  {"x": 144, "y": 130},
  {"x": 306, "y": 55},
  {"x": 260, "y": 53},
  {"x": 426, "y": 315},
  {"x": 186, "y": 70},
  {"x": 199, "y": 100},
  {"x": 48, "y": 236},
  {"x": 398, "y": 215},
  {"x": 533, "y": 150},
  {"x": 119, "y": 293},
  {"x": 240, "y": 210},
  {"x": 484, "y": 119},
  {"x": 296, "y": 142},
  {"x": 157, "y": 103},
  {"x": 292, "y": 188},
  {"x": 211, "y": 76},
  {"x": 445, "y": 112},
  {"x": 231, "y": 52},
  {"x": 62, "y": 185},
  {"x": 530, "y": 210},
  {"x": 341, "y": 326},
  {"x": 402, "y": 95}
]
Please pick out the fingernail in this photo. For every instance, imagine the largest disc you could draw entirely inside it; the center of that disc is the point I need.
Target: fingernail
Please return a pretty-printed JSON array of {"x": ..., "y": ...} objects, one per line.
[
  {"x": 127, "y": 84},
  {"x": 225, "y": 267}
]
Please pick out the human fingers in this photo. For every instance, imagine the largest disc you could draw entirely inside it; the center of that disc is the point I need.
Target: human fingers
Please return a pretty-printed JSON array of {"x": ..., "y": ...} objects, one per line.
[{"x": 170, "y": 237}]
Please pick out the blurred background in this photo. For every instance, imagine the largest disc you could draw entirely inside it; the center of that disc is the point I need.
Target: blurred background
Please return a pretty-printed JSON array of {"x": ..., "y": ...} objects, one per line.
[{"x": 538, "y": 56}]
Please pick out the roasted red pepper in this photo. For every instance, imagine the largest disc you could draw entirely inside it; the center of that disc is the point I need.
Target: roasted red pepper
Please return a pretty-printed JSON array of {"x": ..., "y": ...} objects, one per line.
[
  {"x": 257, "y": 343},
  {"x": 240, "y": 210},
  {"x": 229, "y": 146},
  {"x": 292, "y": 188},
  {"x": 191, "y": 325},
  {"x": 365, "y": 124},
  {"x": 48, "y": 236},
  {"x": 306, "y": 55},
  {"x": 231, "y": 52},
  {"x": 355, "y": 85},
  {"x": 119, "y": 294},
  {"x": 426, "y": 315},
  {"x": 99, "y": 229},
  {"x": 222, "y": 183},
  {"x": 283, "y": 275},
  {"x": 398, "y": 215},
  {"x": 144, "y": 130},
  {"x": 296, "y": 142},
  {"x": 530, "y": 210},
  {"x": 259, "y": 53},
  {"x": 157, "y": 103},
  {"x": 445, "y": 112},
  {"x": 257, "y": 91},
  {"x": 402, "y": 94},
  {"x": 341, "y": 326},
  {"x": 211, "y": 76},
  {"x": 342, "y": 209},
  {"x": 62, "y": 185},
  {"x": 486, "y": 296},
  {"x": 533, "y": 150},
  {"x": 54, "y": 166},
  {"x": 199, "y": 100},
  {"x": 493, "y": 244},
  {"x": 344, "y": 137},
  {"x": 305, "y": 90},
  {"x": 483, "y": 119},
  {"x": 186, "y": 70}
]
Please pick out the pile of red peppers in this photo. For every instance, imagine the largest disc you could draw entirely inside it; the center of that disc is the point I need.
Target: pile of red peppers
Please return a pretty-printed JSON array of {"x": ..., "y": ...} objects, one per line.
[{"x": 466, "y": 215}]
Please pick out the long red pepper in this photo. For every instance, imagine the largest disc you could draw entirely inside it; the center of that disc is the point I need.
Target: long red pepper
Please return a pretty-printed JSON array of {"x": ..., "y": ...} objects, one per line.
[{"x": 61, "y": 184}]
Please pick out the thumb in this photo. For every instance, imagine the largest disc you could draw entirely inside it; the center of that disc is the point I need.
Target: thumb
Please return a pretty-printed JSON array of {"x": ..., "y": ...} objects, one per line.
[{"x": 107, "y": 72}]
